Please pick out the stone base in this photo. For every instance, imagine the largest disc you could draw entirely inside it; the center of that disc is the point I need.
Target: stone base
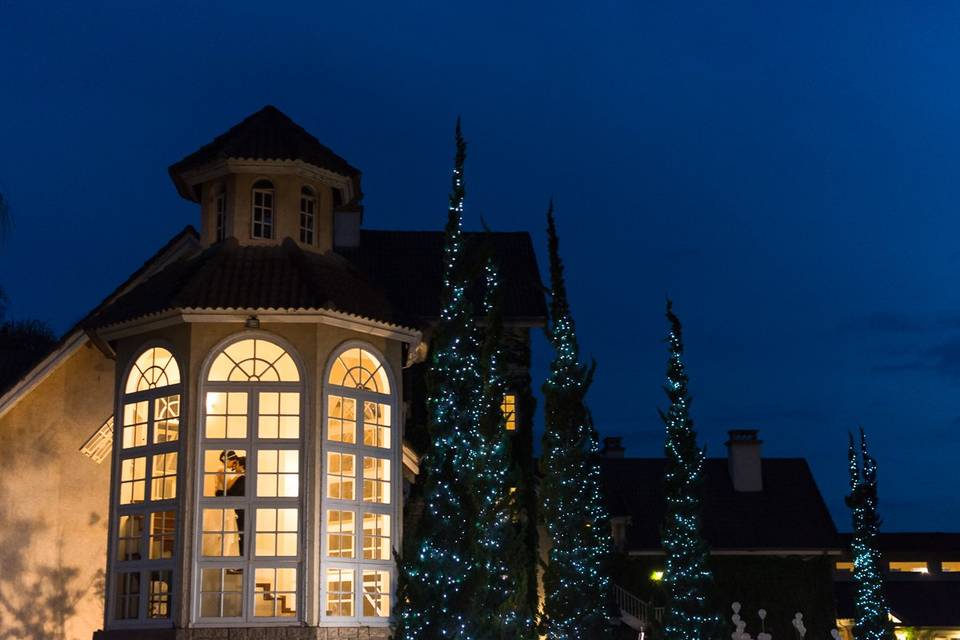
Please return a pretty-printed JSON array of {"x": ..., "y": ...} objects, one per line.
[{"x": 248, "y": 633}]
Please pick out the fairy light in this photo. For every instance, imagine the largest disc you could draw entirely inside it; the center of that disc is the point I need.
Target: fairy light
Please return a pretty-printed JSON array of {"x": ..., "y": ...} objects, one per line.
[
  {"x": 686, "y": 575},
  {"x": 577, "y": 602}
]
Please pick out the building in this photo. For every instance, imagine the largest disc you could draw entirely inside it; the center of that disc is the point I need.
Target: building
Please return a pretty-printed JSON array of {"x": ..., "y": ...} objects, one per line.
[
  {"x": 225, "y": 442},
  {"x": 921, "y": 582},
  {"x": 772, "y": 540}
]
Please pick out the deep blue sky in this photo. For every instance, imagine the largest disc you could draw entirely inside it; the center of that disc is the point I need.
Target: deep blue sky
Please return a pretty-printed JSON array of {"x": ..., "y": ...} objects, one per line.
[{"x": 788, "y": 175}]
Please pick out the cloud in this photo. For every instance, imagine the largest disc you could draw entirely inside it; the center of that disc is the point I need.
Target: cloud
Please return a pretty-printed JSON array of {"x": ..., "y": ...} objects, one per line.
[{"x": 942, "y": 358}]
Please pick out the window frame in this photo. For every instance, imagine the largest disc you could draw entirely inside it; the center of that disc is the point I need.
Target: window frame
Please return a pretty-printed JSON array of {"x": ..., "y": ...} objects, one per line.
[
  {"x": 250, "y": 562},
  {"x": 394, "y": 509},
  {"x": 272, "y": 192},
  {"x": 220, "y": 214},
  {"x": 144, "y": 566},
  {"x": 308, "y": 194}
]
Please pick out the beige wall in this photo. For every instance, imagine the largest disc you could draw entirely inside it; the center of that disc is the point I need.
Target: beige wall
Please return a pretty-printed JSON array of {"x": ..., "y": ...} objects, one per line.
[
  {"x": 286, "y": 215},
  {"x": 53, "y": 504},
  {"x": 54, "y": 500}
]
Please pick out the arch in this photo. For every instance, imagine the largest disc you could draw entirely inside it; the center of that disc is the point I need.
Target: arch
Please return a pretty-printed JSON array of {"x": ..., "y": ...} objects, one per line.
[
  {"x": 250, "y": 518},
  {"x": 360, "y": 519},
  {"x": 253, "y": 359},
  {"x": 155, "y": 367},
  {"x": 357, "y": 365}
]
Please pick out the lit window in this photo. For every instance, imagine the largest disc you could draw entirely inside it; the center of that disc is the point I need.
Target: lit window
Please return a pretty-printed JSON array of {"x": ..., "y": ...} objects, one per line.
[
  {"x": 251, "y": 465},
  {"x": 376, "y": 536},
  {"x": 100, "y": 444},
  {"x": 341, "y": 476},
  {"x": 950, "y": 567},
  {"x": 342, "y": 423},
  {"x": 130, "y": 538},
  {"x": 376, "y": 480},
  {"x": 276, "y": 593},
  {"x": 308, "y": 215},
  {"x": 128, "y": 596},
  {"x": 359, "y": 369},
  {"x": 133, "y": 474},
  {"x": 340, "y": 534},
  {"x": 164, "y": 478},
  {"x": 154, "y": 368},
  {"x": 220, "y": 206},
  {"x": 844, "y": 566},
  {"x": 908, "y": 567},
  {"x": 276, "y": 532},
  {"x": 376, "y": 424},
  {"x": 253, "y": 360},
  {"x": 148, "y": 442},
  {"x": 158, "y": 600},
  {"x": 262, "y": 214},
  {"x": 221, "y": 593},
  {"x": 376, "y": 594},
  {"x": 361, "y": 454},
  {"x": 339, "y": 592},
  {"x": 509, "y": 409},
  {"x": 162, "y": 531}
]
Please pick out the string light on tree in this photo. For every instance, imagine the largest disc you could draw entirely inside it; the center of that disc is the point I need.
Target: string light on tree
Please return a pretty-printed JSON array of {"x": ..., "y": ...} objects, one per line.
[
  {"x": 872, "y": 612},
  {"x": 576, "y": 580},
  {"x": 687, "y": 577}
]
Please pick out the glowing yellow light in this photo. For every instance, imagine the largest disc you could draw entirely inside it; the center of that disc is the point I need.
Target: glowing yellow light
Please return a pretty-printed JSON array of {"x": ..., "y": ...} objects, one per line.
[{"x": 656, "y": 576}]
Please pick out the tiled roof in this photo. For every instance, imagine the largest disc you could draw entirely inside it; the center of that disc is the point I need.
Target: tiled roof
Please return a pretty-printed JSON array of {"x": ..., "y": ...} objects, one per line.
[
  {"x": 788, "y": 515},
  {"x": 268, "y": 134},
  {"x": 408, "y": 265},
  {"x": 229, "y": 276},
  {"x": 917, "y": 603}
]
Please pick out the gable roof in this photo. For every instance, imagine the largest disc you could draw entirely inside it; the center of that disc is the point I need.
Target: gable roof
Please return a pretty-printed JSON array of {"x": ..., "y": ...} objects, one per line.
[
  {"x": 788, "y": 515},
  {"x": 186, "y": 241},
  {"x": 267, "y": 134},
  {"x": 409, "y": 266}
]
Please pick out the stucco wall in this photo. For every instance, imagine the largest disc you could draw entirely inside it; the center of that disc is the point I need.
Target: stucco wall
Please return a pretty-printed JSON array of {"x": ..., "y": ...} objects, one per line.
[{"x": 53, "y": 504}]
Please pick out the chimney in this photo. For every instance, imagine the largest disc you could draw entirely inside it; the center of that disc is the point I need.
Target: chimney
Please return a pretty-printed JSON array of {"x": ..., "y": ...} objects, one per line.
[
  {"x": 612, "y": 447},
  {"x": 346, "y": 225},
  {"x": 743, "y": 456}
]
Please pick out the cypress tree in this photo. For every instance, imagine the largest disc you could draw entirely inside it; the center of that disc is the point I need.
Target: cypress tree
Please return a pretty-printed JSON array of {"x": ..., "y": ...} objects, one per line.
[
  {"x": 872, "y": 621},
  {"x": 686, "y": 577},
  {"x": 501, "y": 603},
  {"x": 577, "y": 586},
  {"x": 439, "y": 581}
]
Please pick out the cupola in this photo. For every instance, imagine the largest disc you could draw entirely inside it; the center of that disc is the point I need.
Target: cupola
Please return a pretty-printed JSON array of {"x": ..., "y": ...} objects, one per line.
[{"x": 267, "y": 179}]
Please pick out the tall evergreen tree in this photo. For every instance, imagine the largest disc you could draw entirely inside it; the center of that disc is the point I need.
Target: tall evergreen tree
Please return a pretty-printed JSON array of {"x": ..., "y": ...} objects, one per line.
[
  {"x": 439, "y": 582},
  {"x": 576, "y": 581},
  {"x": 872, "y": 621},
  {"x": 686, "y": 577},
  {"x": 501, "y": 603}
]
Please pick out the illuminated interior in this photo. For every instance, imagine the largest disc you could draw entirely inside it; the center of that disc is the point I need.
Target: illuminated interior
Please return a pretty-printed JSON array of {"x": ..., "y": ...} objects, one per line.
[
  {"x": 250, "y": 471},
  {"x": 142, "y": 564},
  {"x": 509, "y": 409},
  {"x": 909, "y": 567},
  {"x": 359, "y": 490}
]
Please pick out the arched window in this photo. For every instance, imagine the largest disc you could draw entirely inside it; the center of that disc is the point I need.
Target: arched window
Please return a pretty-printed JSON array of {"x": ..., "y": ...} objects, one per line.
[
  {"x": 308, "y": 215},
  {"x": 145, "y": 499},
  {"x": 262, "y": 201},
  {"x": 250, "y": 517},
  {"x": 360, "y": 514}
]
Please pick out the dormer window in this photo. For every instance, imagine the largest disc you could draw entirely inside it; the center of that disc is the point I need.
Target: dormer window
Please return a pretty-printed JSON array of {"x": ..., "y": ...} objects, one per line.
[
  {"x": 263, "y": 206},
  {"x": 308, "y": 215},
  {"x": 220, "y": 206}
]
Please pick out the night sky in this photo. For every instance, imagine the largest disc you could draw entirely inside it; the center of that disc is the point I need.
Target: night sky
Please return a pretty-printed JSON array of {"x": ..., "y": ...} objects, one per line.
[{"x": 788, "y": 176}]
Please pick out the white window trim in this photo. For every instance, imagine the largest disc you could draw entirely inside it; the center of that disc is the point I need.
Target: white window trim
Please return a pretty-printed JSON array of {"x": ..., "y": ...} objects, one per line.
[
  {"x": 313, "y": 197},
  {"x": 394, "y": 509},
  {"x": 251, "y": 562},
  {"x": 273, "y": 210},
  {"x": 148, "y": 505}
]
